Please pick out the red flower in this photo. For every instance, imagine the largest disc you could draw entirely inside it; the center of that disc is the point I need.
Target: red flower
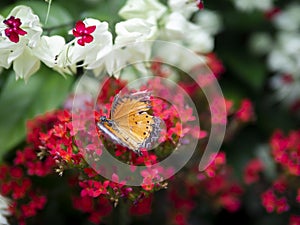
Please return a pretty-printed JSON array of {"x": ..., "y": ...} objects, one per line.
[
  {"x": 13, "y": 31},
  {"x": 218, "y": 161},
  {"x": 245, "y": 113},
  {"x": 143, "y": 207},
  {"x": 230, "y": 201},
  {"x": 200, "y": 4},
  {"x": 272, "y": 203},
  {"x": 294, "y": 220},
  {"x": 286, "y": 151},
  {"x": 252, "y": 170},
  {"x": 84, "y": 33},
  {"x": 215, "y": 64},
  {"x": 298, "y": 196},
  {"x": 151, "y": 176},
  {"x": 269, "y": 200},
  {"x": 270, "y": 14}
]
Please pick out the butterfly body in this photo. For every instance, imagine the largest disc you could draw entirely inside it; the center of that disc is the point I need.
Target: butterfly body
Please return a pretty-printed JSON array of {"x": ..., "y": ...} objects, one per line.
[{"x": 130, "y": 125}]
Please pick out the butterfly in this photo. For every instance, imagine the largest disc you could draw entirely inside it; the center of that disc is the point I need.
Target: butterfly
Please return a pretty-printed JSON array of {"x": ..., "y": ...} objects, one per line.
[{"x": 129, "y": 124}]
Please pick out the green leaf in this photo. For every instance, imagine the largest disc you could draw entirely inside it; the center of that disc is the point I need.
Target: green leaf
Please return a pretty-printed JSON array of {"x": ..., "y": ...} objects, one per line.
[
  {"x": 250, "y": 70},
  {"x": 45, "y": 91}
]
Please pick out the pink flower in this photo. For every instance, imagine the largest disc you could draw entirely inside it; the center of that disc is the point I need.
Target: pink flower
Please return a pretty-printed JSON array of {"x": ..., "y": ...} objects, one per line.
[
  {"x": 83, "y": 33},
  {"x": 150, "y": 177},
  {"x": 13, "y": 31}
]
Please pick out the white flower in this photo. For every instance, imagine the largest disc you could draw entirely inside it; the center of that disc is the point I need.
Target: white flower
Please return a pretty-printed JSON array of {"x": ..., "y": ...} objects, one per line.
[
  {"x": 131, "y": 44},
  {"x": 4, "y": 203},
  {"x": 178, "y": 28},
  {"x": 285, "y": 56},
  {"x": 175, "y": 26},
  {"x": 287, "y": 88},
  {"x": 25, "y": 63},
  {"x": 144, "y": 9},
  {"x": 184, "y": 7},
  {"x": 199, "y": 41},
  {"x": 250, "y": 5},
  {"x": 209, "y": 21},
  {"x": 48, "y": 51},
  {"x": 175, "y": 54},
  {"x": 289, "y": 19},
  {"x": 261, "y": 43},
  {"x": 92, "y": 53},
  {"x": 135, "y": 30}
]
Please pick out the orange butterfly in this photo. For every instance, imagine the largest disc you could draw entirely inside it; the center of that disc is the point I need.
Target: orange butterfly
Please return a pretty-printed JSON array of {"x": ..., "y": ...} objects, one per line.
[{"x": 130, "y": 125}]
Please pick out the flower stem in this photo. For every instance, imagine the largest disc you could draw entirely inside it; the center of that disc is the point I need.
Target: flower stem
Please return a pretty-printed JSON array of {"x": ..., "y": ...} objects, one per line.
[{"x": 121, "y": 214}]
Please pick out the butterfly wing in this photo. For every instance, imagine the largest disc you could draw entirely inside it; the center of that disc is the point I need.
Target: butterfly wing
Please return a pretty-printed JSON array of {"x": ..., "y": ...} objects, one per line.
[
  {"x": 134, "y": 127},
  {"x": 123, "y": 105},
  {"x": 118, "y": 135}
]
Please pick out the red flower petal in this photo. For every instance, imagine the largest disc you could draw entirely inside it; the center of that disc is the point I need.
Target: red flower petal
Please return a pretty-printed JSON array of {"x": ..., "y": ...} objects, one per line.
[
  {"x": 88, "y": 38},
  {"x": 14, "y": 37},
  {"x": 81, "y": 42},
  {"x": 75, "y": 33},
  {"x": 80, "y": 26},
  {"x": 90, "y": 29},
  {"x": 21, "y": 31}
]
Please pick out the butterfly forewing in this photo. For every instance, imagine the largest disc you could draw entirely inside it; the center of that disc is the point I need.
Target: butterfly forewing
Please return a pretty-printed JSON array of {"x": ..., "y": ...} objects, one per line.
[{"x": 124, "y": 105}]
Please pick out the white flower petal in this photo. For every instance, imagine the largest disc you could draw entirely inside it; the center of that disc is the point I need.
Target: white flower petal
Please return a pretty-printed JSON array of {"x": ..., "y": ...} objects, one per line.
[
  {"x": 135, "y": 30},
  {"x": 143, "y": 9},
  {"x": 4, "y": 204},
  {"x": 184, "y": 7},
  {"x": 26, "y": 65},
  {"x": 209, "y": 21},
  {"x": 199, "y": 41},
  {"x": 48, "y": 49},
  {"x": 175, "y": 26}
]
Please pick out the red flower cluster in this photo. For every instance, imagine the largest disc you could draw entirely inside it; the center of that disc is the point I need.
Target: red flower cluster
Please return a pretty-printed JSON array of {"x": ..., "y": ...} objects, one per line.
[
  {"x": 274, "y": 200},
  {"x": 294, "y": 220},
  {"x": 16, "y": 180},
  {"x": 214, "y": 188},
  {"x": 27, "y": 201},
  {"x": 286, "y": 151},
  {"x": 283, "y": 193},
  {"x": 95, "y": 208},
  {"x": 13, "y": 29},
  {"x": 252, "y": 171}
]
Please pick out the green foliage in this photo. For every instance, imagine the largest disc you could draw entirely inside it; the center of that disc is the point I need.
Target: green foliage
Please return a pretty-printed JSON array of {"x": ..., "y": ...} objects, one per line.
[{"x": 45, "y": 91}]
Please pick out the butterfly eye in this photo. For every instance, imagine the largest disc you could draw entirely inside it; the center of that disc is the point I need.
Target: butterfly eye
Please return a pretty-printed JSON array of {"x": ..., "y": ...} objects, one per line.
[{"x": 103, "y": 118}]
